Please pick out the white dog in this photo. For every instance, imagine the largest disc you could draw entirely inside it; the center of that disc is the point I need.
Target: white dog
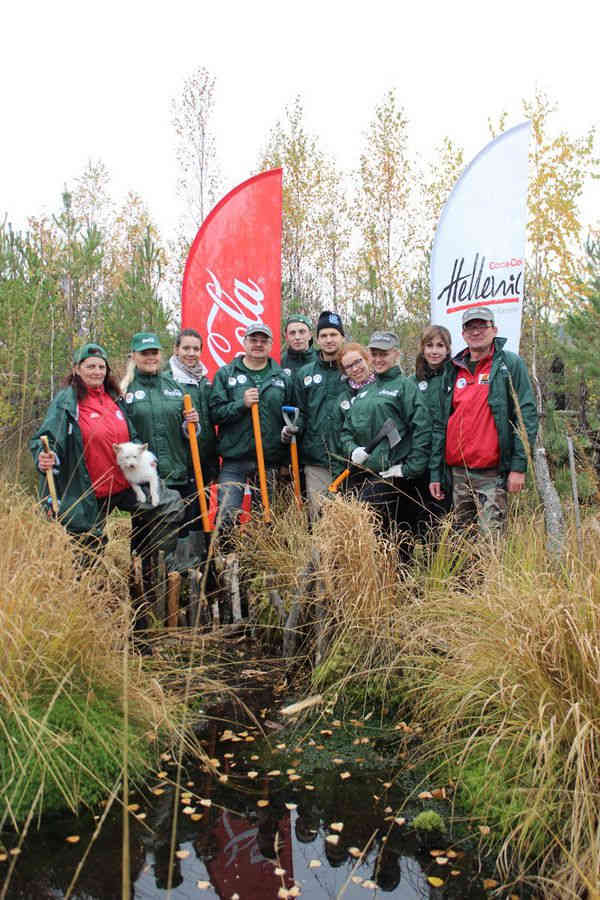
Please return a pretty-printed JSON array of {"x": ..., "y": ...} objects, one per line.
[{"x": 138, "y": 465}]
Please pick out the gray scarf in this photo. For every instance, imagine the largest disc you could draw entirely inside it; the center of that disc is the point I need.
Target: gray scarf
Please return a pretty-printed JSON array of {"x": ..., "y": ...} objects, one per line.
[{"x": 185, "y": 374}]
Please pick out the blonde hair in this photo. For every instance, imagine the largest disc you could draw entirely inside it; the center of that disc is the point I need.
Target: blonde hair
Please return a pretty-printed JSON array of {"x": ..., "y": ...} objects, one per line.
[{"x": 128, "y": 376}]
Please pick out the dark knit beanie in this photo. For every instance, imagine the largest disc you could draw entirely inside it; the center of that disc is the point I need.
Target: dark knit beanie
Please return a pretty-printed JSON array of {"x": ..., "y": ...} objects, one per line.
[{"x": 329, "y": 319}]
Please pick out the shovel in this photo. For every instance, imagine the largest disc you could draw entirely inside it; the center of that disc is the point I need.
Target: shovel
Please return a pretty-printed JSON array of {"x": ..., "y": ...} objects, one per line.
[
  {"x": 187, "y": 405},
  {"x": 388, "y": 430},
  {"x": 287, "y": 412},
  {"x": 50, "y": 477},
  {"x": 260, "y": 461}
]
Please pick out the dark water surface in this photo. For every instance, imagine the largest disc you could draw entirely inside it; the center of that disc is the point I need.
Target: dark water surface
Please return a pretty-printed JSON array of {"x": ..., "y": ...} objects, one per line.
[{"x": 254, "y": 833}]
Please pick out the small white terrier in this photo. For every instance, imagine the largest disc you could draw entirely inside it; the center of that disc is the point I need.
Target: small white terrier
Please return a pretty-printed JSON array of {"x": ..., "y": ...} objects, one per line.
[{"x": 138, "y": 465}]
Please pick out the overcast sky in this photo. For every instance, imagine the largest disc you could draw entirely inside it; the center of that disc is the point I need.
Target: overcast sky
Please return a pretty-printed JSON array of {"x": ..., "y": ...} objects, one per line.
[{"x": 85, "y": 80}]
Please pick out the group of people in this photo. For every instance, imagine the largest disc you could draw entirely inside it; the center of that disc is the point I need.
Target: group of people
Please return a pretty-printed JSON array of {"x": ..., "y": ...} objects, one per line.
[{"x": 453, "y": 433}]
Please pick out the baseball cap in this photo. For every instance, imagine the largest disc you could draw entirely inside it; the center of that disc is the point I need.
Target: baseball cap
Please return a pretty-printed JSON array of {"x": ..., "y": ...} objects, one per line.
[
  {"x": 145, "y": 340},
  {"x": 89, "y": 350},
  {"x": 258, "y": 328},
  {"x": 383, "y": 340},
  {"x": 298, "y": 317},
  {"x": 478, "y": 312}
]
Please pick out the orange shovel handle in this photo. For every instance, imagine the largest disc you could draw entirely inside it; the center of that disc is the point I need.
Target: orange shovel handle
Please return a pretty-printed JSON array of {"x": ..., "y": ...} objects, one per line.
[
  {"x": 260, "y": 461},
  {"x": 187, "y": 405},
  {"x": 335, "y": 484}
]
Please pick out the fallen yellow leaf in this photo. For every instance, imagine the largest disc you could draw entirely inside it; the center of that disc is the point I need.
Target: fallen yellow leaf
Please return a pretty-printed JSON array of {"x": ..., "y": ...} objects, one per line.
[
  {"x": 489, "y": 884},
  {"x": 442, "y": 860},
  {"x": 188, "y": 810},
  {"x": 182, "y": 854},
  {"x": 262, "y": 803},
  {"x": 73, "y": 839},
  {"x": 273, "y": 773},
  {"x": 434, "y": 881},
  {"x": 133, "y": 807},
  {"x": 354, "y": 851},
  {"x": 252, "y": 774},
  {"x": 345, "y": 775},
  {"x": 425, "y": 795},
  {"x": 333, "y": 839},
  {"x": 195, "y": 817},
  {"x": 15, "y": 851},
  {"x": 309, "y": 787},
  {"x": 206, "y": 802},
  {"x": 400, "y": 821},
  {"x": 279, "y": 871},
  {"x": 337, "y": 826},
  {"x": 484, "y": 829}
]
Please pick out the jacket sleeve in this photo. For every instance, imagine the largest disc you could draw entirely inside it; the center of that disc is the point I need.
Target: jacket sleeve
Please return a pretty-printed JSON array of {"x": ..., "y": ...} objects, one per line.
[
  {"x": 299, "y": 401},
  {"x": 438, "y": 434},
  {"x": 54, "y": 427},
  {"x": 419, "y": 422},
  {"x": 223, "y": 409},
  {"x": 524, "y": 395}
]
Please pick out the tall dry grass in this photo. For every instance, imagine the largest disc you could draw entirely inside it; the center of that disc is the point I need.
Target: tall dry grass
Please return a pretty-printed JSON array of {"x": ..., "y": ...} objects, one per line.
[
  {"x": 496, "y": 648},
  {"x": 64, "y": 637}
]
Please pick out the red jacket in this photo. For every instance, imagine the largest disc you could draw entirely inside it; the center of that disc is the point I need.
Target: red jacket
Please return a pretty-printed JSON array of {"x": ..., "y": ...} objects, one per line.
[
  {"x": 102, "y": 423},
  {"x": 471, "y": 435}
]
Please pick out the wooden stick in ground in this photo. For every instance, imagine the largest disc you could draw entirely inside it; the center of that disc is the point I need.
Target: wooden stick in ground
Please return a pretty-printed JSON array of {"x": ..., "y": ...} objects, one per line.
[
  {"x": 174, "y": 587},
  {"x": 260, "y": 461},
  {"x": 160, "y": 589},
  {"x": 50, "y": 477},
  {"x": 187, "y": 405}
]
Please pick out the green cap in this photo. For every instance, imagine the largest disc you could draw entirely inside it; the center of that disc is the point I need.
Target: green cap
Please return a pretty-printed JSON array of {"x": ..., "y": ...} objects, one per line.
[
  {"x": 145, "y": 340},
  {"x": 89, "y": 350},
  {"x": 298, "y": 317}
]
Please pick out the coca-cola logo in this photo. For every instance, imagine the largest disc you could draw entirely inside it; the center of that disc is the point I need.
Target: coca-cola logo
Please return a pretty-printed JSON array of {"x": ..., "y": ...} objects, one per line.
[{"x": 244, "y": 306}]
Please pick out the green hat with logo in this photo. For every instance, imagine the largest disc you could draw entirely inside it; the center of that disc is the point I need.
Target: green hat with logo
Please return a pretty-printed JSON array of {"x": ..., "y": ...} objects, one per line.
[
  {"x": 89, "y": 350},
  {"x": 298, "y": 317},
  {"x": 145, "y": 340}
]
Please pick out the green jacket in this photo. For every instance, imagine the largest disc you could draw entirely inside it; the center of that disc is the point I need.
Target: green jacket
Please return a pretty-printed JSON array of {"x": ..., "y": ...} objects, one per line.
[
  {"x": 236, "y": 435},
  {"x": 154, "y": 404},
  {"x": 430, "y": 389},
  {"x": 292, "y": 360},
  {"x": 390, "y": 396},
  {"x": 506, "y": 367},
  {"x": 78, "y": 504},
  {"x": 199, "y": 391},
  {"x": 337, "y": 459},
  {"x": 317, "y": 387}
]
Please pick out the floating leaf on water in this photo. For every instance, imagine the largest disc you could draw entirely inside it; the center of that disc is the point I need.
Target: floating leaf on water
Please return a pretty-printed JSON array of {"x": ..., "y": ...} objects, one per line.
[
  {"x": 354, "y": 851},
  {"x": 189, "y": 784},
  {"x": 141, "y": 816},
  {"x": 309, "y": 787},
  {"x": 436, "y": 852},
  {"x": 452, "y": 854},
  {"x": 442, "y": 860},
  {"x": 294, "y": 777},
  {"x": 235, "y": 897},
  {"x": 337, "y": 826},
  {"x": 356, "y": 741},
  {"x": 484, "y": 829},
  {"x": 376, "y": 797},
  {"x": 15, "y": 851},
  {"x": 369, "y": 885},
  {"x": 365, "y": 740},
  {"x": 206, "y": 802},
  {"x": 439, "y": 793},
  {"x": 357, "y": 879},
  {"x": 345, "y": 775},
  {"x": 215, "y": 762},
  {"x": 326, "y": 732},
  {"x": 162, "y": 775},
  {"x": 337, "y": 761},
  {"x": 387, "y": 785},
  {"x": 252, "y": 774},
  {"x": 158, "y": 791},
  {"x": 280, "y": 746},
  {"x": 228, "y": 755},
  {"x": 434, "y": 881},
  {"x": 311, "y": 743},
  {"x": 182, "y": 854},
  {"x": 289, "y": 771},
  {"x": 425, "y": 795},
  {"x": 133, "y": 807},
  {"x": 262, "y": 803},
  {"x": 203, "y": 885},
  {"x": 235, "y": 739},
  {"x": 254, "y": 757},
  {"x": 195, "y": 817},
  {"x": 489, "y": 884},
  {"x": 165, "y": 756},
  {"x": 333, "y": 839},
  {"x": 291, "y": 806},
  {"x": 227, "y": 735},
  {"x": 456, "y": 872},
  {"x": 336, "y": 723},
  {"x": 249, "y": 739},
  {"x": 274, "y": 773},
  {"x": 73, "y": 839},
  {"x": 3, "y": 857},
  {"x": 279, "y": 871},
  {"x": 188, "y": 810},
  {"x": 319, "y": 746},
  {"x": 185, "y": 798},
  {"x": 223, "y": 779},
  {"x": 388, "y": 810},
  {"x": 243, "y": 734},
  {"x": 314, "y": 864}
]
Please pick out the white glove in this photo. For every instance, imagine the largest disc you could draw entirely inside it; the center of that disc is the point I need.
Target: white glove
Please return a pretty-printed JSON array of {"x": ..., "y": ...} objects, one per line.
[
  {"x": 359, "y": 455},
  {"x": 392, "y": 472},
  {"x": 287, "y": 433}
]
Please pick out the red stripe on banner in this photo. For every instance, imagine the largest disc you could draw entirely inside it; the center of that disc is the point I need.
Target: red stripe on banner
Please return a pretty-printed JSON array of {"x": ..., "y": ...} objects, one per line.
[
  {"x": 232, "y": 275},
  {"x": 483, "y": 303}
]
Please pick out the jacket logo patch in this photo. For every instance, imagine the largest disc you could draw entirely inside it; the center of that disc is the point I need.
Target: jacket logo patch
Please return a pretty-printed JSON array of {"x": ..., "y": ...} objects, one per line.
[
  {"x": 318, "y": 379},
  {"x": 307, "y": 380},
  {"x": 139, "y": 395},
  {"x": 241, "y": 379},
  {"x": 423, "y": 385},
  {"x": 386, "y": 393},
  {"x": 129, "y": 397},
  {"x": 279, "y": 382},
  {"x": 171, "y": 392},
  {"x": 94, "y": 415},
  {"x": 288, "y": 371},
  {"x": 461, "y": 383},
  {"x": 231, "y": 381},
  {"x": 119, "y": 414},
  {"x": 484, "y": 378},
  {"x": 345, "y": 404}
]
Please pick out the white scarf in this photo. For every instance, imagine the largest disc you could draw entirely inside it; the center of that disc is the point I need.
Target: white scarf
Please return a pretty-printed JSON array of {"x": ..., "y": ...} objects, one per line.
[{"x": 185, "y": 374}]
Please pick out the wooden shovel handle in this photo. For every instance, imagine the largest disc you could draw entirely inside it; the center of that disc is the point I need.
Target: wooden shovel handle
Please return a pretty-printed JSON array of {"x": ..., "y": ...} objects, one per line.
[
  {"x": 50, "y": 477},
  {"x": 187, "y": 405}
]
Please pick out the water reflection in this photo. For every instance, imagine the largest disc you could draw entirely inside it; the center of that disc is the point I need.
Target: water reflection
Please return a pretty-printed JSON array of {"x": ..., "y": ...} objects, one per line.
[{"x": 251, "y": 837}]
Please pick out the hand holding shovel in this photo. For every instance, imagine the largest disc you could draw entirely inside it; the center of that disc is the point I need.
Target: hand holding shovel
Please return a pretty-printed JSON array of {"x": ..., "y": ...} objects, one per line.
[
  {"x": 50, "y": 477},
  {"x": 187, "y": 405},
  {"x": 387, "y": 431}
]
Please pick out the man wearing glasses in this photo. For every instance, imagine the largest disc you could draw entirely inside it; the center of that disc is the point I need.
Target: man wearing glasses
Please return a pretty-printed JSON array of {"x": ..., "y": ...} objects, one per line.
[{"x": 477, "y": 449}]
